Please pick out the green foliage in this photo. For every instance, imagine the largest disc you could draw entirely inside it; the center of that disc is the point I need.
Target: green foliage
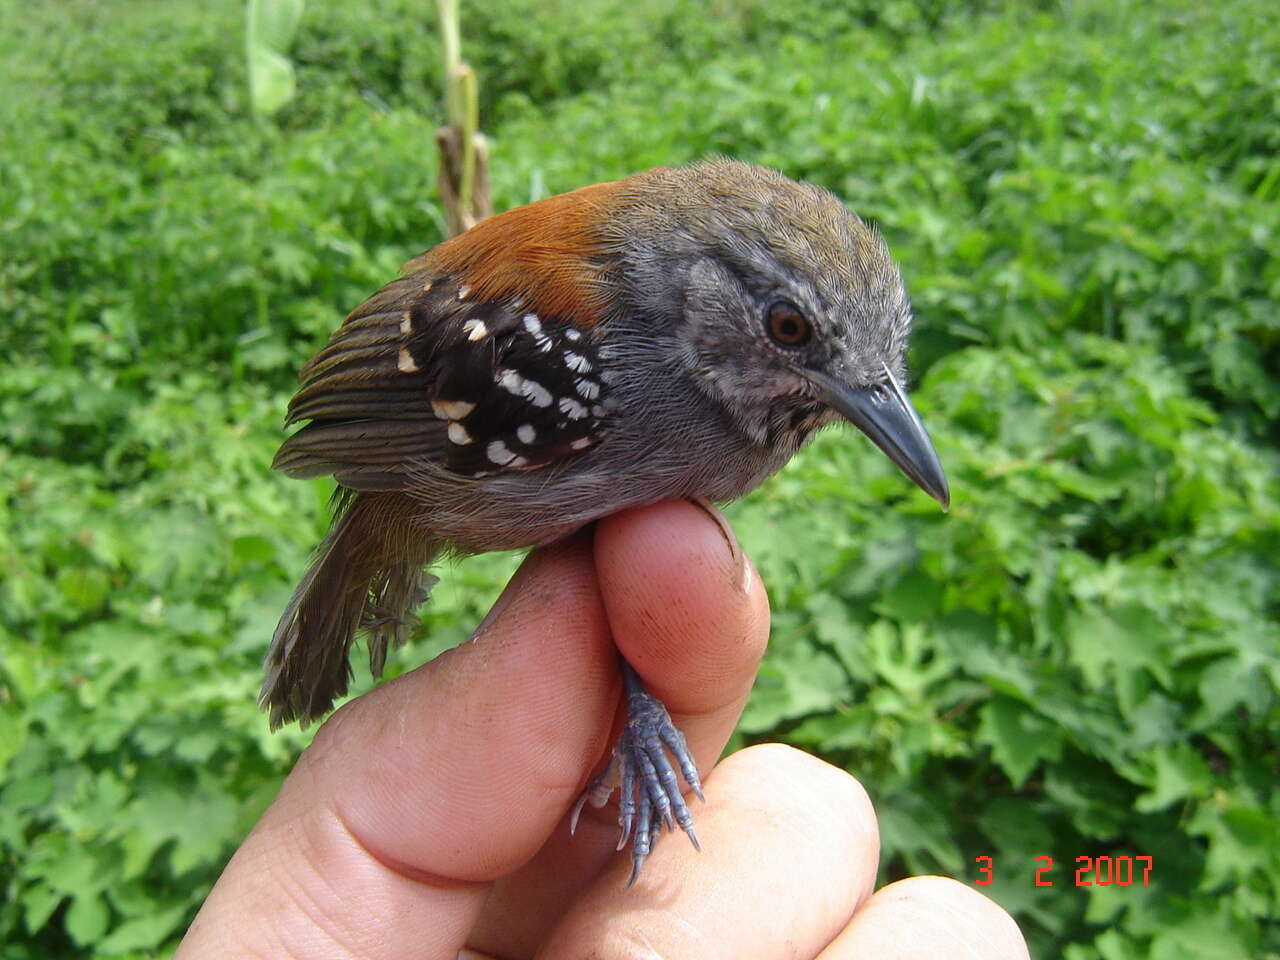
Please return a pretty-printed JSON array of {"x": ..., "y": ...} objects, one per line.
[{"x": 1082, "y": 658}]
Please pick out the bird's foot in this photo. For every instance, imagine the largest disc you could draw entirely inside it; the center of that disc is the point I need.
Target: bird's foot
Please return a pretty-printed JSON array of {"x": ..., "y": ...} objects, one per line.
[{"x": 650, "y": 795}]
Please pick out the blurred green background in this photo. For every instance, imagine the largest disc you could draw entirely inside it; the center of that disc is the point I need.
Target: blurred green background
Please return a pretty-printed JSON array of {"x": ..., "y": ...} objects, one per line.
[{"x": 1081, "y": 659}]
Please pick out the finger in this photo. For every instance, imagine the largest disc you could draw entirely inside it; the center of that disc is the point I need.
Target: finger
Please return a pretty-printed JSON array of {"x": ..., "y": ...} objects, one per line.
[
  {"x": 791, "y": 850},
  {"x": 414, "y": 796},
  {"x": 673, "y": 590},
  {"x": 689, "y": 622},
  {"x": 927, "y": 917}
]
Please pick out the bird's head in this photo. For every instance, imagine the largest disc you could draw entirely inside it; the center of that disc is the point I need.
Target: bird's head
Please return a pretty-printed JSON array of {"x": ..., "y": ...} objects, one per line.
[{"x": 782, "y": 305}]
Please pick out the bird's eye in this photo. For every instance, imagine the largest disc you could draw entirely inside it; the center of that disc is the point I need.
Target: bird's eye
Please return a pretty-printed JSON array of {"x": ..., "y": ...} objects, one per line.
[{"x": 787, "y": 325}]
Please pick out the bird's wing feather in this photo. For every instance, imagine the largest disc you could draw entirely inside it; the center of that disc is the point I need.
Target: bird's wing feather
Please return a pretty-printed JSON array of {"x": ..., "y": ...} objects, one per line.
[{"x": 421, "y": 373}]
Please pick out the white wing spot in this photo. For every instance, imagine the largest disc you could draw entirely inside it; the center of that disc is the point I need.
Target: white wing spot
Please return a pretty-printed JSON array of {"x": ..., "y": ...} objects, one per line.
[
  {"x": 573, "y": 334},
  {"x": 588, "y": 389},
  {"x": 498, "y": 452},
  {"x": 510, "y": 381},
  {"x": 405, "y": 361},
  {"x": 405, "y": 323},
  {"x": 531, "y": 390},
  {"x": 451, "y": 409},
  {"x": 463, "y": 291},
  {"x": 531, "y": 324},
  {"x": 577, "y": 362},
  {"x": 426, "y": 287},
  {"x": 538, "y": 395},
  {"x": 572, "y": 408},
  {"x": 598, "y": 411},
  {"x": 526, "y": 433},
  {"x": 458, "y": 434},
  {"x": 581, "y": 443},
  {"x": 475, "y": 329}
]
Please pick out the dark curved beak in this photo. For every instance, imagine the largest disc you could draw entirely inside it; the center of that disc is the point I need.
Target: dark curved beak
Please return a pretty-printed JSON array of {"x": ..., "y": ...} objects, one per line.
[{"x": 885, "y": 415}]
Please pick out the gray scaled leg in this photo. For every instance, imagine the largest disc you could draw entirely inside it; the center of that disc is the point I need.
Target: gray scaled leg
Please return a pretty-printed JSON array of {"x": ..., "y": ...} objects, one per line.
[{"x": 650, "y": 791}]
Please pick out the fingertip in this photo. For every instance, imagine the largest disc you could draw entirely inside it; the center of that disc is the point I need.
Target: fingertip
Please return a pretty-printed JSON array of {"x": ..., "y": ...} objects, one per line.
[
  {"x": 945, "y": 917},
  {"x": 662, "y": 535},
  {"x": 673, "y": 587},
  {"x": 810, "y": 798}
]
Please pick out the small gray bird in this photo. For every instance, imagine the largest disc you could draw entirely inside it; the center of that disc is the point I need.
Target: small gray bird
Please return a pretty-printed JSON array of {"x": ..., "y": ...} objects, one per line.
[{"x": 677, "y": 334}]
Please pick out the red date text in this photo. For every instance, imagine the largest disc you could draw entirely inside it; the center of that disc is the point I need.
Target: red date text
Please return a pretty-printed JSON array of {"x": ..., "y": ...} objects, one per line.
[{"x": 1104, "y": 871}]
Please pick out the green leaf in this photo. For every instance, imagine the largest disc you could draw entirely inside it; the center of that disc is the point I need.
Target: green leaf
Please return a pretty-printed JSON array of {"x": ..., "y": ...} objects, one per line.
[
  {"x": 1205, "y": 929},
  {"x": 39, "y": 900},
  {"x": 270, "y": 26},
  {"x": 914, "y": 598},
  {"x": 794, "y": 684},
  {"x": 271, "y": 80},
  {"x": 1105, "y": 644},
  {"x": 915, "y": 828},
  {"x": 253, "y": 548},
  {"x": 1019, "y": 738},
  {"x": 13, "y": 733},
  {"x": 1179, "y": 773},
  {"x": 87, "y": 918},
  {"x": 274, "y": 22},
  {"x": 145, "y": 932}
]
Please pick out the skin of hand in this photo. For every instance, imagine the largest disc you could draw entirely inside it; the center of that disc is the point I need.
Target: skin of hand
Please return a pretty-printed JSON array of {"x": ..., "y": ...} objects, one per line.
[{"x": 429, "y": 816}]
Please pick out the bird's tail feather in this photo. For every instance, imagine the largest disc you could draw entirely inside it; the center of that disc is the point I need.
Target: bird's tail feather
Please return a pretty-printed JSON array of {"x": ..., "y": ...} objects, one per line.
[{"x": 367, "y": 574}]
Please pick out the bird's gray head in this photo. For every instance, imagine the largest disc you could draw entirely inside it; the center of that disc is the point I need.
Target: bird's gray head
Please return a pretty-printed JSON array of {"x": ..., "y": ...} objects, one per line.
[{"x": 784, "y": 307}]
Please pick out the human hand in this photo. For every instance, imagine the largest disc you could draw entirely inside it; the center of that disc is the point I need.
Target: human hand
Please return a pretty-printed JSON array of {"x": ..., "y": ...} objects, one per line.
[{"x": 429, "y": 816}]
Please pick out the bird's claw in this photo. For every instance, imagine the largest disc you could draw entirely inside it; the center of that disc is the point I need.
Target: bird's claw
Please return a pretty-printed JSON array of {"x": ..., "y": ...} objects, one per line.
[{"x": 650, "y": 795}]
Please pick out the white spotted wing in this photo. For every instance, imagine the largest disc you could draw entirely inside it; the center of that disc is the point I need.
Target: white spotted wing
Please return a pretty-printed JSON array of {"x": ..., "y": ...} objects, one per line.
[{"x": 419, "y": 370}]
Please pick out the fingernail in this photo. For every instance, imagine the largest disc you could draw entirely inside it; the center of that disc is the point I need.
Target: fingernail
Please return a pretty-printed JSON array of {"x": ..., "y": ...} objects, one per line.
[
  {"x": 742, "y": 572},
  {"x": 503, "y": 601}
]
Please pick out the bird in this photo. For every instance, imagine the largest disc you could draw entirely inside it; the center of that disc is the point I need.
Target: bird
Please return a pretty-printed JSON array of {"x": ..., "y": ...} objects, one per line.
[{"x": 678, "y": 333}]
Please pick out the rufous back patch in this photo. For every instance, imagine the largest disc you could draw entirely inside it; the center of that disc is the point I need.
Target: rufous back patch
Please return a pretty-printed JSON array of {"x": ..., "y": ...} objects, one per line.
[{"x": 544, "y": 255}]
